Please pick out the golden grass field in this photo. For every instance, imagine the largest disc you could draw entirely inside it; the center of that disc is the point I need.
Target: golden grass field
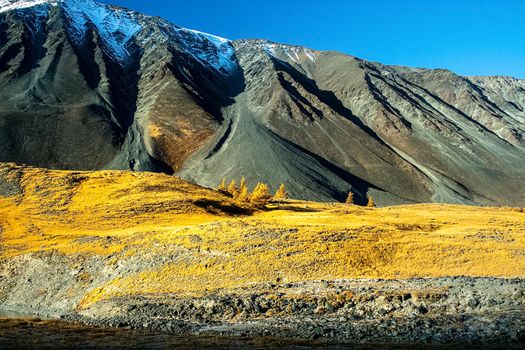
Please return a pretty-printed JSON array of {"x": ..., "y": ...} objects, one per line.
[{"x": 211, "y": 243}]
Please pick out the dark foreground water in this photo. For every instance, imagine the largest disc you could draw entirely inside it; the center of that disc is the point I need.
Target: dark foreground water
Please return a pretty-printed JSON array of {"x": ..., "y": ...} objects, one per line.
[{"x": 37, "y": 334}]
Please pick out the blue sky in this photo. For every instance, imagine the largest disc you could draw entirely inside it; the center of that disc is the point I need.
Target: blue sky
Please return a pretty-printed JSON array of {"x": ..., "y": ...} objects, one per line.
[{"x": 470, "y": 37}]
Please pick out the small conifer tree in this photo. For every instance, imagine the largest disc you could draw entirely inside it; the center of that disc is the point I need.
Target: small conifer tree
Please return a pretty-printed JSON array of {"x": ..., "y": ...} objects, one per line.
[
  {"x": 370, "y": 203},
  {"x": 244, "y": 194},
  {"x": 233, "y": 190},
  {"x": 261, "y": 194},
  {"x": 243, "y": 184},
  {"x": 350, "y": 198},
  {"x": 281, "y": 193},
  {"x": 222, "y": 186}
]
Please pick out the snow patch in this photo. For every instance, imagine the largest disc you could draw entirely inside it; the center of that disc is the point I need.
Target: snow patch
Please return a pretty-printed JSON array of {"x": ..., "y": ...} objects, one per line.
[
  {"x": 270, "y": 49},
  {"x": 35, "y": 17},
  {"x": 115, "y": 27},
  {"x": 294, "y": 53},
  {"x": 310, "y": 54},
  {"x": 209, "y": 49},
  {"x": 8, "y": 5}
]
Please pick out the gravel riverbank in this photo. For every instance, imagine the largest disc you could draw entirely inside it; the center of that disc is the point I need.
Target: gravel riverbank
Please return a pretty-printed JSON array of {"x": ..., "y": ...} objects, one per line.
[{"x": 456, "y": 310}]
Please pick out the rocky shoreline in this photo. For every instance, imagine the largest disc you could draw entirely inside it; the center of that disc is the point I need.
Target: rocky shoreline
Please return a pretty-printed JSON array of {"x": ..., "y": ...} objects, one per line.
[{"x": 456, "y": 310}]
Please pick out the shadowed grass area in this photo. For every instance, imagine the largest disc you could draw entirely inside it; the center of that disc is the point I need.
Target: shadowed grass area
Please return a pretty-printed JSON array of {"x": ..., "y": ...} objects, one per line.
[{"x": 203, "y": 241}]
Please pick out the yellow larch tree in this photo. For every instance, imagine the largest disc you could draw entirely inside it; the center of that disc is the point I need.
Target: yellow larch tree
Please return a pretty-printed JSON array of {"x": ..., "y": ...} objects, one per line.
[
  {"x": 233, "y": 190},
  {"x": 350, "y": 198},
  {"x": 222, "y": 186},
  {"x": 261, "y": 194},
  {"x": 243, "y": 184},
  {"x": 281, "y": 193},
  {"x": 244, "y": 193}
]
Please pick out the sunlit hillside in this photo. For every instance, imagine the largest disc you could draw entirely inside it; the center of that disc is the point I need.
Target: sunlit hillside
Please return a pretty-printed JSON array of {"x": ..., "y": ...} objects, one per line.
[{"x": 192, "y": 240}]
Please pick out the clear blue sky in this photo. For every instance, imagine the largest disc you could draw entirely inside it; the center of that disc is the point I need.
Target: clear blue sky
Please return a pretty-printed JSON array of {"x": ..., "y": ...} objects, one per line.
[{"x": 470, "y": 37}]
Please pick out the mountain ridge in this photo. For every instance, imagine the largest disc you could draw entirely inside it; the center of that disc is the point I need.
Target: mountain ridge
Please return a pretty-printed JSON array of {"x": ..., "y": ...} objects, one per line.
[
  {"x": 150, "y": 95},
  {"x": 9, "y": 5}
]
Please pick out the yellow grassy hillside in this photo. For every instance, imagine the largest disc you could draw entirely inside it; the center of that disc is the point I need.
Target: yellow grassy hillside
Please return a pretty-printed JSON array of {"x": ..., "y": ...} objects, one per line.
[
  {"x": 210, "y": 243},
  {"x": 45, "y": 209}
]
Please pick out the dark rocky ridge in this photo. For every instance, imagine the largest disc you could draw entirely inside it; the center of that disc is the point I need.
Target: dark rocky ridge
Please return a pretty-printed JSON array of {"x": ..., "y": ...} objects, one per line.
[{"x": 129, "y": 91}]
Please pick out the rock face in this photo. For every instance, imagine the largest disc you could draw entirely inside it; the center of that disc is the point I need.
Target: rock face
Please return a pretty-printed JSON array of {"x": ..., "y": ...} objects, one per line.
[{"x": 90, "y": 86}]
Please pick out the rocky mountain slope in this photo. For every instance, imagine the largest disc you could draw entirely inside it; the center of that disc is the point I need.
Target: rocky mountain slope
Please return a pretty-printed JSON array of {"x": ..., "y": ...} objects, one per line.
[{"x": 90, "y": 86}]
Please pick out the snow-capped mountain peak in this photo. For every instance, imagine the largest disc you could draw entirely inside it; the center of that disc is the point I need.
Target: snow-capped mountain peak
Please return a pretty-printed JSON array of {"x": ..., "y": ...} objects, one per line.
[
  {"x": 116, "y": 27},
  {"x": 7, "y": 5},
  {"x": 119, "y": 27}
]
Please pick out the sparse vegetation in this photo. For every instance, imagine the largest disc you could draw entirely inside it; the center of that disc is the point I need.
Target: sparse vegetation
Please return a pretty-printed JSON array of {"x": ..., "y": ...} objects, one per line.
[
  {"x": 370, "y": 203},
  {"x": 243, "y": 184},
  {"x": 350, "y": 198},
  {"x": 222, "y": 186},
  {"x": 233, "y": 190},
  {"x": 261, "y": 194},
  {"x": 244, "y": 193},
  {"x": 281, "y": 193}
]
